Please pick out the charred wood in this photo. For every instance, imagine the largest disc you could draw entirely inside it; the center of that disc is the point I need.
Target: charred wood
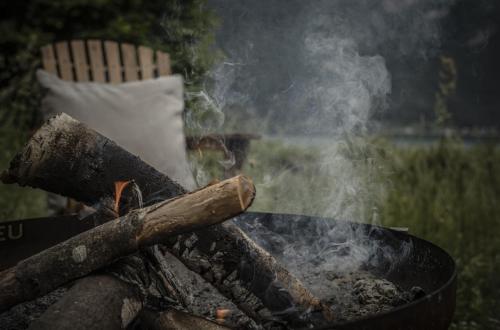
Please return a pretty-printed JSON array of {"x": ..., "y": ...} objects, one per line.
[
  {"x": 67, "y": 158},
  {"x": 249, "y": 276},
  {"x": 104, "y": 244},
  {"x": 92, "y": 303},
  {"x": 222, "y": 254}
]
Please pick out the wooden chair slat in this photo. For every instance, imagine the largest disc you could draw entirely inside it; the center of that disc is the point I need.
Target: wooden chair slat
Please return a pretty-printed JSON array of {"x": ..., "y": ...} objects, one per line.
[
  {"x": 163, "y": 63},
  {"x": 80, "y": 60},
  {"x": 130, "y": 67},
  {"x": 146, "y": 62},
  {"x": 49, "y": 59},
  {"x": 64, "y": 60},
  {"x": 113, "y": 59},
  {"x": 96, "y": 61}
]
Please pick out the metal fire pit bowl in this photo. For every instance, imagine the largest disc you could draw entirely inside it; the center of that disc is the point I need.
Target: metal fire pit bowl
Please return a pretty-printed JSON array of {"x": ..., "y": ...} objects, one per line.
[{"x": 425, "y": 265}]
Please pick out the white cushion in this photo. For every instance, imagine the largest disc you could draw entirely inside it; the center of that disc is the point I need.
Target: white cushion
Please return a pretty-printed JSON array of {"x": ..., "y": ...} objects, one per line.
[{"x": 144, "y": 117}]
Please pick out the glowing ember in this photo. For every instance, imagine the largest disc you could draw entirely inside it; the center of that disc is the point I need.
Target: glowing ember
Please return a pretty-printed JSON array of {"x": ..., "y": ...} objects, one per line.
[
  {"x": 221, "y": 314},
  {"x": 119, "y": 186}
]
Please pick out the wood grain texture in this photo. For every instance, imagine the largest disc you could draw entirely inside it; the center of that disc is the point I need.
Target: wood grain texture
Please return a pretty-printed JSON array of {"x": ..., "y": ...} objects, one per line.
[
  {"x": 49, "y": 59},
  {"x": 163, "y": 63},
  {"x": 112, "y": 54},
  {"x": 64, "y": 61},
  {"x": 100, "y": 246},
  {"x": 80, "y": 60},
  {"x": 221, "y": 254},
  {"x": 130, "y": 67},
  {"x": 146, "y": 62},
  {"x": 96, "y": 61}
]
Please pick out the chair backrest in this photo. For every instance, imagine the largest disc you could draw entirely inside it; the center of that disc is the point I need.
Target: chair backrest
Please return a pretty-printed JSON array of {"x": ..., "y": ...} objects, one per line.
[{"x": 103, "y": 61}]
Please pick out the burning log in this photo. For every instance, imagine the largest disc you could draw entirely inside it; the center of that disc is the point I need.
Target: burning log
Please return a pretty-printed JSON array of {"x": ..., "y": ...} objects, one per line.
[
  {"x": 101, "y": 245},
  {"x": 222, "y": 255},
  {"x": 249, "y": 276},
  {"x": 67, "y": 158}
]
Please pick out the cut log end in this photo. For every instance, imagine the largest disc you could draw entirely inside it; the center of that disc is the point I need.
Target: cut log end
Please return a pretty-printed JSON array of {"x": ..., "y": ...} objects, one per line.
[
  {"x": 210, "y": 205},
  {"x": 246, "y": 191}
]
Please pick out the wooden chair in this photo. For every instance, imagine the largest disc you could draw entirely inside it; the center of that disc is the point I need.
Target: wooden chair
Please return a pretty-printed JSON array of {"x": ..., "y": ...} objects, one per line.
[{"x": 111, "y": 62}]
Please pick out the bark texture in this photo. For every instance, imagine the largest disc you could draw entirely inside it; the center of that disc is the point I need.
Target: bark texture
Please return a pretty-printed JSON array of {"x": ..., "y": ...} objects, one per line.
[
  {"x": 67, "y": 158},
  {"x": 107, "y": 303},
  {"x": 222, "y": 254},
  {"x": 101, "y": 245},
  {"x": 248, "y": 275}
]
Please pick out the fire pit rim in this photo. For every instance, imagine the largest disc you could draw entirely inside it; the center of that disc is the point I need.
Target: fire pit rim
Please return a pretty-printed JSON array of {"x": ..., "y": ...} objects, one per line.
[{"x": 352, "y": 324}]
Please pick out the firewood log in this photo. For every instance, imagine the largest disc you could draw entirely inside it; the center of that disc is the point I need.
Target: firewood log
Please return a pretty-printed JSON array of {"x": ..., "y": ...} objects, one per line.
[
  {"x": 66, "y": 157},
  {"x": 102, "y": 245},
  {"x": 109, "y": 304},
  {"x": 274, "y": 291},
  {"x": 64, "y": 146}
]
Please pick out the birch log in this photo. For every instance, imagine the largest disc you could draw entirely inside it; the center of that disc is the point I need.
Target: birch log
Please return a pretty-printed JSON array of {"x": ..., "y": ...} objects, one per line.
[
  {"x": 102, "y": 245},
  {"x": 65, "y": 157},
  {"x": 222, "y": 254}
]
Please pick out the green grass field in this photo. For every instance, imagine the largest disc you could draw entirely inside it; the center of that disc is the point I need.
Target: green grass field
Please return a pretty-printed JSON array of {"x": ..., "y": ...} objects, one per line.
[{"x": 446, "y": 193}]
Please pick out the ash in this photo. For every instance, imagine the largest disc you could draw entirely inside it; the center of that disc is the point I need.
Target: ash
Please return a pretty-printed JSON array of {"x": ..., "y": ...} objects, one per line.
[
  {"x": 357, "y": 294},
  {"x": 341, "y": 263}
]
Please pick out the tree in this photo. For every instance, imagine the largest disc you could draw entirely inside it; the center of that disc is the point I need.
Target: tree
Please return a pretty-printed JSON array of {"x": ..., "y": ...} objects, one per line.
[{"x": 182, "y": 28}]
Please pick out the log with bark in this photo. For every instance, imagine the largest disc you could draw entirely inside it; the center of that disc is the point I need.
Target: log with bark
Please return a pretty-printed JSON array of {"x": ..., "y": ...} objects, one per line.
[
  {"x": 65, "y": 157},
  {"x": 64, "y": 141},
  {"x": 114, "y": 296},
  {"x": 222, "y": 254},
  {"x": 101, "y": 245}
]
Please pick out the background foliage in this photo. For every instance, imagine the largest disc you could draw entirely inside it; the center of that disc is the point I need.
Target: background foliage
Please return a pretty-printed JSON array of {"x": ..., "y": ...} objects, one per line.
[
  {"x": 183, "y": 28},
  {"x": 445, "y": 192}
]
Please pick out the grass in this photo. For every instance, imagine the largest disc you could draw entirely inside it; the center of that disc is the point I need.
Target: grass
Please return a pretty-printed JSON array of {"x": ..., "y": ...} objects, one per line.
[
  {"x": 446, "y": 193},
  {"x": 450, "y": 195}
]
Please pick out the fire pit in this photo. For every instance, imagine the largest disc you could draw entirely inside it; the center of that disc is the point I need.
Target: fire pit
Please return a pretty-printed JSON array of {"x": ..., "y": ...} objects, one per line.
[
  {"x": 407, "y": 261},
  {"x": 270, "y": 271}
]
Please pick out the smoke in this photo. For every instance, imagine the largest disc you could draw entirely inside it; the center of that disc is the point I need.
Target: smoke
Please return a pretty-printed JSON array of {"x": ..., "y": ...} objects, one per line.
[
  {"x": 302, "y": 68},
  {"x": 272, "y": 67}
]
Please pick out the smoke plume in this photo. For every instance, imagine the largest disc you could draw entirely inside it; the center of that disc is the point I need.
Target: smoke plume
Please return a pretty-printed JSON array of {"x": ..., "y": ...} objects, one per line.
[{"x": 303, "y": 68}]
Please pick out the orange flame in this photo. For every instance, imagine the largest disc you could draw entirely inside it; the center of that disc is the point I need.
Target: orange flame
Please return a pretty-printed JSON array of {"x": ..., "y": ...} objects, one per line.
[
  {"x": 119, "y": 186},
  {"x": 221, "y": 314}
]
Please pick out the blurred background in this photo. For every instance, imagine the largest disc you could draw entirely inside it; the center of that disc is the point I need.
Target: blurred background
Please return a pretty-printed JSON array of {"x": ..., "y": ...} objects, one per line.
[{"x": 383, "y": 111}]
